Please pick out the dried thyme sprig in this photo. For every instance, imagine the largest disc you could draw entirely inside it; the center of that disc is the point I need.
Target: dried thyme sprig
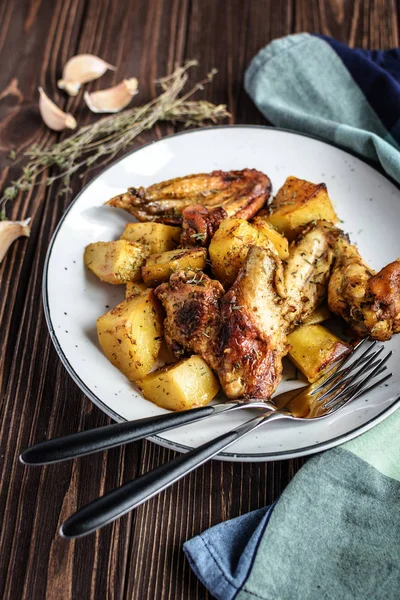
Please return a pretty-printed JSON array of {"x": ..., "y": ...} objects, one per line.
[{"x": 96, "y": 144}]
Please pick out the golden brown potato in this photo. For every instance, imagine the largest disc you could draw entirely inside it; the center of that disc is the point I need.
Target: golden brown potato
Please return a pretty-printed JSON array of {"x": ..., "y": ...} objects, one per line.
[
  {"x": 116, "y": 262},
  {"x": 185, "y": 384},
  {"x": 131, "y": 334},
  {"x": 299, "y": 202},
  {"x": 230, "y": 245},
  {"x": 281, "y": 244},
  {"x": 134, "y": 288},
  {"x": 314, "y": 348},
  {"x": 158, "y": 267},
  {"x": 321, "y": 314},
  {"x": 155, "y": 236}
]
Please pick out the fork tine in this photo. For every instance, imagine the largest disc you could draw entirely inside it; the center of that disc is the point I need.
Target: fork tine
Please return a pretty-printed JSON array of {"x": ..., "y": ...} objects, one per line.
[
  {"x": 342, "y": 400},
  {"x": 337, "y": 372},
  {"x": 353, "y": 389},
  {"x": 344, "y": 381},
  {"x": 351, "y": 392},
  {"x": 373, "y": 385}
]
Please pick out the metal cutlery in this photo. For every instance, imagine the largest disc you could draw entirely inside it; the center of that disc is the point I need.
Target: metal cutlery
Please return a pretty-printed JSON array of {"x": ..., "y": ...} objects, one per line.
[{"x": 360, "y": 372}]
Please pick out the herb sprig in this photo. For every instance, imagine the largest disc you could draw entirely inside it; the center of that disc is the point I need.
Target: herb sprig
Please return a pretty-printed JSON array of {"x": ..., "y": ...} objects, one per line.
[{"x": 96, "y": 144}]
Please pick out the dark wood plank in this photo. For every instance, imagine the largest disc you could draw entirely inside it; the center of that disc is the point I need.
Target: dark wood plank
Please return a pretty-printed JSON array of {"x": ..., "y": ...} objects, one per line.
[
  {"x": 364, "y": 23},
  {"x": 141, "y": 555},
  {"x": 39, "y": 389}
]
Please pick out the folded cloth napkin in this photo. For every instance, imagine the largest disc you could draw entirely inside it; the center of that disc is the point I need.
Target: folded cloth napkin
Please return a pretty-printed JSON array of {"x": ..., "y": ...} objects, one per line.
[
  {"x": 334, "y": 534},
  {"x": 316, "y": 85}
]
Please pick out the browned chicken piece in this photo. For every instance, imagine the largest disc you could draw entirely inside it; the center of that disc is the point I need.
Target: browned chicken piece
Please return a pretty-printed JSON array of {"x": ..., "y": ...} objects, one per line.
[
  {"x": 239, "y": 193},
  {"x": 199, "y": 225},
  {"x": 369, "y": 302},
  {"x": 191, "y": 301},
  {"x": 307, "y": 270},
  {"x": 240, "y": 335},
  {"x": 254, "y": 328}
]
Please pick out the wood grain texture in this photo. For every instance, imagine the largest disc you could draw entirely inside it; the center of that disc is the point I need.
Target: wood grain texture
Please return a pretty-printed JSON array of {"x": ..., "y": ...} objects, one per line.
[{"x": 140, "y": 556}]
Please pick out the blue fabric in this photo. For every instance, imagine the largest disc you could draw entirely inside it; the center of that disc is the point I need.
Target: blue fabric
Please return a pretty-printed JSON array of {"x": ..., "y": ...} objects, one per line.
[
  {"x": 317, "y": 86},
  {"x": 335, "y": 532},
  {"x": 377, "y": 73},
  {"x": 222, "y": 556}
]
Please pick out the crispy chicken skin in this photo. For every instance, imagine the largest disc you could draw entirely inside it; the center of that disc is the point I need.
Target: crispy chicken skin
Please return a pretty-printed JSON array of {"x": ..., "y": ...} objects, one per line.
[
  {"x": 199, "y": 224},
  {"x": 241, "y": 334},
  {"x": 191, "y": 301},
  {"x": 307, "y": 270},
  {"x": 239, "y": 193},
  {"x": 369, "y": 302},
  {"x": 253, "y": 328}
]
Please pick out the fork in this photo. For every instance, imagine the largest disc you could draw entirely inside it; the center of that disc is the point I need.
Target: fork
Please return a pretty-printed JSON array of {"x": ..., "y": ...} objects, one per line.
[
  {"x": 316, "y": 402},
  {"x": 83, "y": 443}
]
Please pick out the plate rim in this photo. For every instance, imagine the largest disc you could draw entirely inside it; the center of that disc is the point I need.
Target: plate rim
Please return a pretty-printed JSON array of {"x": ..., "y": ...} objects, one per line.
[{"x": 223, "y": 456}]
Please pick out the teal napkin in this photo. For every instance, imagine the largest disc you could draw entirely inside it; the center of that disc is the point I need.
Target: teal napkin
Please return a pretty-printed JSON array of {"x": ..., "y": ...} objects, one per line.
[
  {"x": 316, "y": 85},
  {"x": 334, "y": 534}
]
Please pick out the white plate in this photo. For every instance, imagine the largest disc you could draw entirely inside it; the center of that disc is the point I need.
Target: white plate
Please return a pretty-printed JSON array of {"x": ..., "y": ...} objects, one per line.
[{"x": 367, "y": 202}]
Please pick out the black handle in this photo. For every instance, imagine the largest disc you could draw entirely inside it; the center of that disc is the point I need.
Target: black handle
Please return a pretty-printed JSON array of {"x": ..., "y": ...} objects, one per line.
[
  {"x": 116, "y": 503},
  {"x": 110, "y": 436}
]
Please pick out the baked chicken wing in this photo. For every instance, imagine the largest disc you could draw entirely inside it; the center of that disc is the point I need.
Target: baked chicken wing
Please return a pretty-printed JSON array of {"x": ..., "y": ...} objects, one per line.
[
  {"x": 307, "y": 270},
  {"x": 369, "y": 302},
  {"x": 253, "y": 328},
  {"x": 191, "y": 302},
  {"x": 241, "y": 334},
  {"x": 199, "y": 224},
  {"x": 239, "y": 193}
]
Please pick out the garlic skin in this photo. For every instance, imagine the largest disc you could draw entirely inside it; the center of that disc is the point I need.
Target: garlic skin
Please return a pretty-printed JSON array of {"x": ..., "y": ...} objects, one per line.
[
  {"x": 10, "y": 231},
  {"x": 54, "y": 117},
  {"x": 81, "y": 69},
  {"x": 113, "y": 99}
]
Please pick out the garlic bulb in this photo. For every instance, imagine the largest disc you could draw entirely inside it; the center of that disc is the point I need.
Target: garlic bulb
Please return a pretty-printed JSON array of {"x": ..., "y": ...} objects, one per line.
[
  {"x": 10, "y": 231},
  {"x": 81, "y": 69},
  {"x": 113, "y": 99},
  {"x": 54, "y": 117}
]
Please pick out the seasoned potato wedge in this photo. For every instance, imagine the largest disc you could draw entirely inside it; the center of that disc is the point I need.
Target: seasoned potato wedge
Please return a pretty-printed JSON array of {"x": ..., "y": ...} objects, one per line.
[
  {"x": 279, "y": 241},
  {"x": 131, "y": 334},
  {"x": 320, "y": 314},
  {"x": 230, "y": 245},
  {"x": 157, "y": 237},
  {"x": 158, "y": 267},
  {"x": 185, "y": 384},
  {"x": 314, "y": 348},
  {"x": 299, "y": 202},
  {"x": 133, "y": 288},
  {"x": 116, "y": 262}
]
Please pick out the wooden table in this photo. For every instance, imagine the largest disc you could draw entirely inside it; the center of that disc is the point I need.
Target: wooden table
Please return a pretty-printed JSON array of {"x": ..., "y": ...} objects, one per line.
[{"x": 140, "y": 556}]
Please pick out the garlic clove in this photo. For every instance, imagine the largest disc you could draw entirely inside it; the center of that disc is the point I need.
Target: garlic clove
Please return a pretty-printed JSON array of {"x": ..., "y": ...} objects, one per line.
[
  {"x": 81, "y": 69},
  {"x": 10, "y": 231},
  {"x": 54, "y": 117},
  {"x": 113, "y": 99}
]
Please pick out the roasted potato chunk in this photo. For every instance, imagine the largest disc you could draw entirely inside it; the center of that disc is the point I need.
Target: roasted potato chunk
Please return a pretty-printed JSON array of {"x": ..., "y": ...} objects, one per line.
[
  {"x": 155, "y": 236},
  {"x": 158, "y": 267},
  {"x": 321, "y": 314},
  {"x": 133, "y": 288},
  {"x": 281, "y": 244},
  {"x": 116, "y": 262},
  {"x": 185, "y": 384},
  {"x": 314, "y": 349},
  {"x": 131, "y": 334},
  {"x": 299, "y": 202},
  {"x": 230, "y": 245}
]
